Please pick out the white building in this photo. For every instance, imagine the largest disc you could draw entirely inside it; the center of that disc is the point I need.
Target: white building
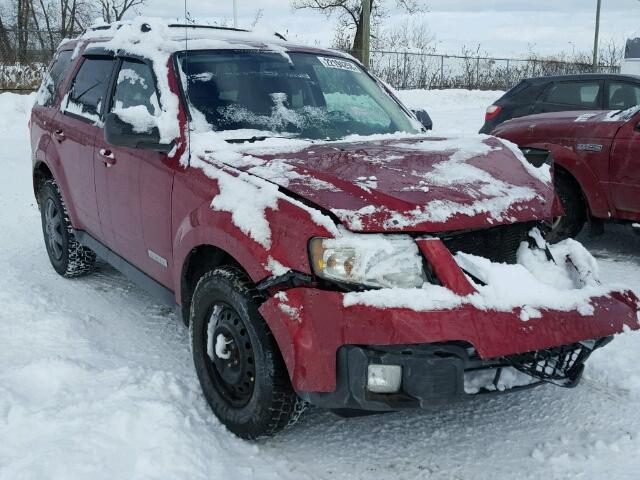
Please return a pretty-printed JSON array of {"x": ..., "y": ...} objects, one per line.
[{"x": 631, "y": 63}]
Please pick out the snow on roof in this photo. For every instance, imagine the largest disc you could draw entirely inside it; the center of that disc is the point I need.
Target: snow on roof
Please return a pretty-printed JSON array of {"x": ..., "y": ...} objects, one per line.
[{"x": 175, "y": 36}]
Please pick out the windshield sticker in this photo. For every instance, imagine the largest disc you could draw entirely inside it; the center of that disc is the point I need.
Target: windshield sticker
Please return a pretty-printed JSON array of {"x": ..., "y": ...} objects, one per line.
[{"x": 339, "y": 63}]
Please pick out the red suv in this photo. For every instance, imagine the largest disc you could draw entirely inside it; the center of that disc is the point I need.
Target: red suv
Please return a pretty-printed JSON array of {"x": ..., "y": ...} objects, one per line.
[
  {"x": 597, "y": 163},
  {"x": 322, "y": 248}
]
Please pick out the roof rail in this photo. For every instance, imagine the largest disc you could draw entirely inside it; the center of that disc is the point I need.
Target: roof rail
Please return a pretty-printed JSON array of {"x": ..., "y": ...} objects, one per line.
[{"x": 212, "y": 27}]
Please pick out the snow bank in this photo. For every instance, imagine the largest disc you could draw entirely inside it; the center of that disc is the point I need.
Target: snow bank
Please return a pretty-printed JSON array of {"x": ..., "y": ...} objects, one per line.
[{"x": 452, "y": 111}]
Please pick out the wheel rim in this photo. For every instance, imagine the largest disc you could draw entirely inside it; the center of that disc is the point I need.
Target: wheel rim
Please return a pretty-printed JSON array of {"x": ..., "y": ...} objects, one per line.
[
  {"x": 231, "y": 365},
  {"x": 53, "y": 228}
]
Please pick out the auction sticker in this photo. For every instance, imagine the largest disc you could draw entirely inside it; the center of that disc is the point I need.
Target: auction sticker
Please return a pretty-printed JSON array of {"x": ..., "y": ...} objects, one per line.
[{"x": 330, "y": 62}]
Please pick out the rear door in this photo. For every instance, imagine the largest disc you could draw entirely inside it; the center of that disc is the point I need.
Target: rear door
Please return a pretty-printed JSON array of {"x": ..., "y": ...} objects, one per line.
[
  {"x": 571, "y": 95},
  {"x": 134, "y": 186},
  {"x": 75, "y": 129}
]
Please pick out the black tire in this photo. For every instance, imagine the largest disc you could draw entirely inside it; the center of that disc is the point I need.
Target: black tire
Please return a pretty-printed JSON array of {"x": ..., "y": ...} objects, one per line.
[
  {"x": 575, "y": 216},
  {"x": 67, "y": 256},
  {"x": 248, "y": 388}
]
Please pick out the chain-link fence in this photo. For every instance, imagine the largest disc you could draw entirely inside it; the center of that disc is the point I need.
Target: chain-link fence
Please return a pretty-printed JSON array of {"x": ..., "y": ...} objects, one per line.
[
  {"x": 405, "y": 70},
  {"x": 25, "y": 54}
]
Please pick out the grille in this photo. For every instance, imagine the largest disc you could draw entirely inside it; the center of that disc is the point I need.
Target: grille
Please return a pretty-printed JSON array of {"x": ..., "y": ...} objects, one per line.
[
  {"x": 498, "y": 244},
  {"x": 560, "y": 365}
]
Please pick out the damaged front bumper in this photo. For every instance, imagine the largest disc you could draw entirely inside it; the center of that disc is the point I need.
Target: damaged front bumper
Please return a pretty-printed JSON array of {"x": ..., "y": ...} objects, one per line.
[
  {"x": 444, "y": 355},
  {"x": 436, "y": 374}
]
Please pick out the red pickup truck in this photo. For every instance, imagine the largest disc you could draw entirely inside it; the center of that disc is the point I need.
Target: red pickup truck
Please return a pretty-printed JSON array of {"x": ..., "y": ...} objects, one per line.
[
  {"x": 597, "y": 163},
  {"x": 321, "y": 246}
]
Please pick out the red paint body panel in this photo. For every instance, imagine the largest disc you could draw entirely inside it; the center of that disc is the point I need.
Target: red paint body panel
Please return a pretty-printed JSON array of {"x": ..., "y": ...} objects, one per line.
[
  {"x": 309, "y": 345},
  {"x": 609, "y": 178}
]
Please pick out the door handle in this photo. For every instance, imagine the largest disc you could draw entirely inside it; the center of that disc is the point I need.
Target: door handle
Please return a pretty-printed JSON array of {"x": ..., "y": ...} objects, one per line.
[
  {"x": 107, "y": 157},
  {"x": 59, "y": 134}
]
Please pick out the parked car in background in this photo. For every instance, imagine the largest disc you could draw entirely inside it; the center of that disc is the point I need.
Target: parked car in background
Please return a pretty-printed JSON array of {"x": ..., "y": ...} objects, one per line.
[
  {"x": 564, "y": 93},
  {"x": 596, "y": 159}
]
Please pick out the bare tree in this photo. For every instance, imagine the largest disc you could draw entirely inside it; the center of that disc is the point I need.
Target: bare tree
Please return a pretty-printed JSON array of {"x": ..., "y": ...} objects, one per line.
[
  {"x": 114, "y": 10},
  {"x": 350, "y": 27}
]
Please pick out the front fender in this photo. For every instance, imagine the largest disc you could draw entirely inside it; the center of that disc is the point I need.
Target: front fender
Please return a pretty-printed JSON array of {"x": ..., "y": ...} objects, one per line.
[
  {"x": 291, "y": 228},
  {"x": 592, "y": 189}
]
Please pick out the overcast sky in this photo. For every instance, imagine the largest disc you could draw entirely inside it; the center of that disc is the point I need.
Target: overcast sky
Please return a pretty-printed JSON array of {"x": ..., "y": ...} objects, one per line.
[{"x": 501, "y": 27}]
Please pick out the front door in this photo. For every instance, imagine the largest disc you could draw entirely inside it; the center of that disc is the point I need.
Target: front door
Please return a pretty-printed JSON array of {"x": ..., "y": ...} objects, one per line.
[
  {"x": 625, "y": 170},
  {"x": 134, "y": 185}
]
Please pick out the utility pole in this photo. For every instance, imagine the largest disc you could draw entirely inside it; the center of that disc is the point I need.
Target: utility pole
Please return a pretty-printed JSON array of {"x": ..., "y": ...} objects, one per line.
[
  {"x": 235, "y": 13},
  {"x": 366, "y": 32},
  {"x": 595, "y": 41}
]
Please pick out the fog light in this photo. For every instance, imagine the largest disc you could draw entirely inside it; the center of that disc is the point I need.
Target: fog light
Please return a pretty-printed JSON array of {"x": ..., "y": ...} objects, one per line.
[{"x": 384, "y": 378}]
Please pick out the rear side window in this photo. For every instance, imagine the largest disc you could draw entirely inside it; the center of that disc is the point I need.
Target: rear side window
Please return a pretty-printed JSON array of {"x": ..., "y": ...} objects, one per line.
[
  {"x": 623, "y": 95},
  {"x": 580, "y": 94},
  {"x": 47, "y": 95},
  {"x": 87, "y": 93}
]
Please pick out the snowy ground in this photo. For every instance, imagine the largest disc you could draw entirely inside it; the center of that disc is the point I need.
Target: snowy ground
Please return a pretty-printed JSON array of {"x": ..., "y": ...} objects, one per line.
[{"x": 96, "y": 379}]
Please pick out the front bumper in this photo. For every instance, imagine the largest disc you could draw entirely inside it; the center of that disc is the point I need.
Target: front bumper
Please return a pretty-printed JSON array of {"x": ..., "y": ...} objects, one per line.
[
  {"x": 312, "y": 325},
  {"x": 437, "y": 374}
]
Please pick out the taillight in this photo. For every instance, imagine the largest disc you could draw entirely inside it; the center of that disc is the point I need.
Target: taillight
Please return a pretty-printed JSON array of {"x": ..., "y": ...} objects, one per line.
[
  {"x": 492, "y": 112},
  {"x": 29, "y": 123}
]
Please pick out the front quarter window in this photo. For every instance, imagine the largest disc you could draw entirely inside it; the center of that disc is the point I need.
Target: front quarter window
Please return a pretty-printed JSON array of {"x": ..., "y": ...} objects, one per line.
[{"x": 298, "y": 95}]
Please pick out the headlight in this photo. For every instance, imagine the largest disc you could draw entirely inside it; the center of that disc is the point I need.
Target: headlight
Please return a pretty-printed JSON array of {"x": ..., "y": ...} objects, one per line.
[{"x": 372, "y": 260}]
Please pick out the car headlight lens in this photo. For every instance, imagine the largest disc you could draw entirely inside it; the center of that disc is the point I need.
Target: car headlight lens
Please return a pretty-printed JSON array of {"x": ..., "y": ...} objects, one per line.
[{"x": 371, "y": 260}]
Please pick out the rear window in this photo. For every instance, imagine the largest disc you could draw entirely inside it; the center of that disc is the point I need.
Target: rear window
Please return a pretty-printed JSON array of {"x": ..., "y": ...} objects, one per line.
[
  {"x": 519, "y": 88},
  {"x": 47, "y": 95},
  {"x": 87, "y": 94},
  {"x": 581, "y": 94}
]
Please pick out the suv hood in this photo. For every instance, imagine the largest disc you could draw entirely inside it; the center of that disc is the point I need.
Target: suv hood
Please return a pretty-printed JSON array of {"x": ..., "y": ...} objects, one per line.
[{"x": 421, "y": 184}]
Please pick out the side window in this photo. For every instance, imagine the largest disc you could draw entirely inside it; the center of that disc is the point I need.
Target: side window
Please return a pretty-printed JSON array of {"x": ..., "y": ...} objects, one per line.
[
  {"x": 579, "y": 94},
  {"x": 47, "y": 94},
  {"x": 623, "y": 95},
  {"x": 135, "y": 87},
  {"x": 87, "y": 94}
]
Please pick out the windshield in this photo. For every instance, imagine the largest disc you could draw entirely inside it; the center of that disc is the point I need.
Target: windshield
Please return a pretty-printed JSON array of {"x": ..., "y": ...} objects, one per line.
[{"x": 298, "y": 95}]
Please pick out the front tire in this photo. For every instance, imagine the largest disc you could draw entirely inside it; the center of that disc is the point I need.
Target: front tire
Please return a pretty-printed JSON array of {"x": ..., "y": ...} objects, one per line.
[
  {"x": 241, "y": 371},
  {"x": 575, "y": 216},
  {"x": 67, "y": 256}
]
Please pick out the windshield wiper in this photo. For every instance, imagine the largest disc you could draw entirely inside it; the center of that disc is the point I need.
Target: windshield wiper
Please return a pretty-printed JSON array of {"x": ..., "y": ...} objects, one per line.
[{"x": 253, "y": 139}]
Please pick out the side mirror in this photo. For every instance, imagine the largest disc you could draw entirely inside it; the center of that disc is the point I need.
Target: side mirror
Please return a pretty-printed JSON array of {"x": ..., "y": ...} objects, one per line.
[
  {"x": 119, "y": 133},
  {"x": 424, "y": 118}
]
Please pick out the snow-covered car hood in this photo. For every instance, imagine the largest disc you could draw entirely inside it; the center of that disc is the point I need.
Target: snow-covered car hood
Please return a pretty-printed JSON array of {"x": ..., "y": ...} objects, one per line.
[{"x": 424, "y": 184}]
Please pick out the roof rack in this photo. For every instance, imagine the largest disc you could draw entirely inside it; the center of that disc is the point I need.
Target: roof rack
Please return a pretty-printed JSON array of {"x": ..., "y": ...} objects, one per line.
[
  {"x": 211, "y": 27},
  {"x": 145, "y": 27}
]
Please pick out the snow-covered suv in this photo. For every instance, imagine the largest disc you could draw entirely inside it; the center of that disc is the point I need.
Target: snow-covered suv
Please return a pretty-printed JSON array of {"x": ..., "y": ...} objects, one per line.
[{"x": 321, "y": 246}]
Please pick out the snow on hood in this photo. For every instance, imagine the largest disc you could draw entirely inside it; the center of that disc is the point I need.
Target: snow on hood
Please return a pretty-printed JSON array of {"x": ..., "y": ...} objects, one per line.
[{"x": 407, "y": 182}]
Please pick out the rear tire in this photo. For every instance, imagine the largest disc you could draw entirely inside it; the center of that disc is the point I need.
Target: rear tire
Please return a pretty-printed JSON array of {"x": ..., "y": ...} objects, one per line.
[
  {"x": 241, "y": 371},
  {"x": 575, "y": 216},
  {"x": 67, "y": 256}
]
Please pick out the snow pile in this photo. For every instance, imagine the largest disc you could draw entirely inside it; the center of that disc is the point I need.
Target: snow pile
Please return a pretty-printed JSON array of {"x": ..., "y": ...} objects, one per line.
[
  {"x": 534, "y": 283},
  {"x": 453, "y": 112}
]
